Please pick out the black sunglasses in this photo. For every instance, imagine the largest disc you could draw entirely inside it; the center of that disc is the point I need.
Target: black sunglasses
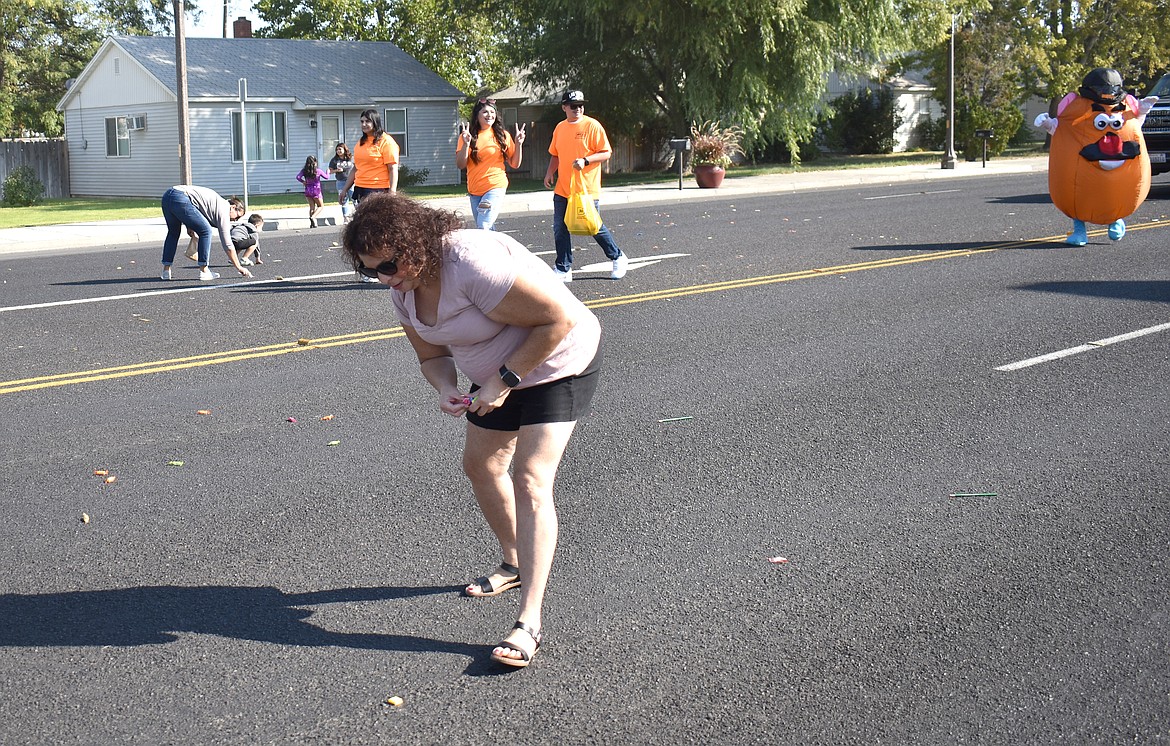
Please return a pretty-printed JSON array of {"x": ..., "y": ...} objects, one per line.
[
  {"x": 489, "y": 101},
  {"x": 388, "y": 268},
  {"x": 575, "y": 106}
]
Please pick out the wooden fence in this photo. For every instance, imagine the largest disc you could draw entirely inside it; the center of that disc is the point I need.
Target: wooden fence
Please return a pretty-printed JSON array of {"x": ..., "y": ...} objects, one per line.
[{"x": 49, "y": 158}]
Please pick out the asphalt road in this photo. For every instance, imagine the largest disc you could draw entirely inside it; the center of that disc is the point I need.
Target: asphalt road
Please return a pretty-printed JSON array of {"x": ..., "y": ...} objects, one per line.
[{"x": 974, "y": 554}]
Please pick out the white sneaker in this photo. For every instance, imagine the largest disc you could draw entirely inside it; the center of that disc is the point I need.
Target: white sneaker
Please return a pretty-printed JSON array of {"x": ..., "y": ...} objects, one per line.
[
  {"x": 166, "y": 273},
  {"x": 619, "y": 266},
  {"x": 247, "y": 263},
  {"x": 207, "y": 274},
  {"x": 563, "y": 276}
]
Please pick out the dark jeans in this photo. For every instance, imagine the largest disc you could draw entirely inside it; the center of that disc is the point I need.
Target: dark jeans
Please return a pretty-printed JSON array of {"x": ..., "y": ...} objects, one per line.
[
  {"x": 564, "y": 239},
  {"x": 179, "y": 212}
]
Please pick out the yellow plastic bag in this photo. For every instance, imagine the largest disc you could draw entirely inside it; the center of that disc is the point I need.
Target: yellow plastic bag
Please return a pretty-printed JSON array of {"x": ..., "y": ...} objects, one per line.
[{"x": 581, "y": 216}]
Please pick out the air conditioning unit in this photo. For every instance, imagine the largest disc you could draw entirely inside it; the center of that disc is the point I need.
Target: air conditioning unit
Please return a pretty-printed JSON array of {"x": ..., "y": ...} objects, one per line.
[{"x": 137, "y": 122}]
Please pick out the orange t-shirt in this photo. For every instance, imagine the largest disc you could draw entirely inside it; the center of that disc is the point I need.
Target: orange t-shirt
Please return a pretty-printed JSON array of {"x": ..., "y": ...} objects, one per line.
[
  {"x": 490, "y": 172},
  {"x": 571, "y": 141},
  {"x": 370, "y": 161}
]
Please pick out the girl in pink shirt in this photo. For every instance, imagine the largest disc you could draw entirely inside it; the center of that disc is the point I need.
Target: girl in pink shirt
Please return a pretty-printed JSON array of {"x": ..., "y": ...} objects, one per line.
[
  {"x": 480, "y": 303},
  {"x": 312, "y": 176}
]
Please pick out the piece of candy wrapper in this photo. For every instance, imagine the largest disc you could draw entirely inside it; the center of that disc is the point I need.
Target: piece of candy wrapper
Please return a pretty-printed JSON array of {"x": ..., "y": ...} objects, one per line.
[
  {"x": 203, "y": 411},
  {"x": 333, "y": 443},
  {"x": 395, "y": 700},
  {"x": 85, "y": 517},
  {"x": 778, "y": 560},
  {"x": 111, "y": 479},
  {"x": 100, "y": 472},
  {"x": 291, "y": 419},
  {"x": 174, "y": 463},
  {"x": 326, "y": 418}
]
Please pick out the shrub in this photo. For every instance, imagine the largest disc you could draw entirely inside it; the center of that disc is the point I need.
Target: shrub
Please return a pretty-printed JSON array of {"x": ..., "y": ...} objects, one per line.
[
  {"x": 864, "y": 122},
  {"x": 22, "y": 188},
  {"x": 408, "y": 177}
]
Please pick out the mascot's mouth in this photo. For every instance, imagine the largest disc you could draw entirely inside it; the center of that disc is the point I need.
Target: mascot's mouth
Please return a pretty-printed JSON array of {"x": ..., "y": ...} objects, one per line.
[{"x": 1110, "y": 152}]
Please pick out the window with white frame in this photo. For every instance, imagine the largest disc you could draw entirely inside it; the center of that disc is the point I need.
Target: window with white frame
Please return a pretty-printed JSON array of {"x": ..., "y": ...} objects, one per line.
[
  {"x": 266, "y": 136},
  {"x": 117, "y": 137},
  {"x": 395, "y": 125}
]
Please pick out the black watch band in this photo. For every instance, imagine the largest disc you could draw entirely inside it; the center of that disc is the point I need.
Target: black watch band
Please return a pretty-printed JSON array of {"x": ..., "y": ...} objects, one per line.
[{"x": 511, "y": 380}]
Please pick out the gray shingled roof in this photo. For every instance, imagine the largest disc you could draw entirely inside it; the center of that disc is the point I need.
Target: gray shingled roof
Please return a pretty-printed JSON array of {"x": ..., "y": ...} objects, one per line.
[{"x": 318, "y": 73}]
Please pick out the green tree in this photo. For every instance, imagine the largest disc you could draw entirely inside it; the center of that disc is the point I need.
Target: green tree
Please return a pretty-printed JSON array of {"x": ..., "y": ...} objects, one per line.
[
  {"x": 762, "y": 64},
  {"x": 461, "y": 45},
  {"x": 43, "y": 43}
]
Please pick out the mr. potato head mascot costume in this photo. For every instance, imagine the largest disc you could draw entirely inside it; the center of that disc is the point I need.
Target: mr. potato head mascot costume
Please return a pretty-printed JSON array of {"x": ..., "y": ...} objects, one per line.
[{"x": 1098, "y": 167}]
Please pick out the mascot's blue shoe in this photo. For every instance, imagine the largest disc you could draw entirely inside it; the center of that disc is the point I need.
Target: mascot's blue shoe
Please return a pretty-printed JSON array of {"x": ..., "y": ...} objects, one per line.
[
  {"x": 1079, "y": 237},
  {"x": 1116, "y": 230}
]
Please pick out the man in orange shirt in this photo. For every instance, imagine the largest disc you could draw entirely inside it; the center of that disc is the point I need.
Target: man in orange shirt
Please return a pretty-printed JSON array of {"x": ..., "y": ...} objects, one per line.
[{"x": 578, "y": 144}]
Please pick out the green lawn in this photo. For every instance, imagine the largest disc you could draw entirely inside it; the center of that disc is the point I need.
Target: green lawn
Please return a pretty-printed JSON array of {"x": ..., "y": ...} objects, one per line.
[{"x": 89, "y": 209}]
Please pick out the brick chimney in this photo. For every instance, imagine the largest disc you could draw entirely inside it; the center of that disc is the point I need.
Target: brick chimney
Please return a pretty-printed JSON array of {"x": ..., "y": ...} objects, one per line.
[{"x": 242, "y": 28}]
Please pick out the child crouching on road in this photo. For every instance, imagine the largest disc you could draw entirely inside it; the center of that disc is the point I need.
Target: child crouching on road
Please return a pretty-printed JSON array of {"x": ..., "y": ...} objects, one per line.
[{"x": 246, "y": 239}]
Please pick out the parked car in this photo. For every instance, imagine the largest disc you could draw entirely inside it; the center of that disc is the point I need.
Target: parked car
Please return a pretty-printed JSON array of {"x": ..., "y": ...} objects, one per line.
[{"x": 1156, "y": 130}]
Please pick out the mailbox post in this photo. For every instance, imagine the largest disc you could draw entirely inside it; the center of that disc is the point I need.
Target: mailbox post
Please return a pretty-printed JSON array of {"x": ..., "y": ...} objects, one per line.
[
  {"x": 679, "y": 146},
  {"x": 985, "y": 135}
]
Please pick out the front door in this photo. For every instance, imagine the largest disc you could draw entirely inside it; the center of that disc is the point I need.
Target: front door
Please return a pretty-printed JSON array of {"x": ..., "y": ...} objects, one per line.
[{"x": 330, "y": 131}]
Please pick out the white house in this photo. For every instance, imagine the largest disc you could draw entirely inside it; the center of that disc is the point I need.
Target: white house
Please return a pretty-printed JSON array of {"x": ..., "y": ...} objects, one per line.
[{"x": 303, "y": 96}]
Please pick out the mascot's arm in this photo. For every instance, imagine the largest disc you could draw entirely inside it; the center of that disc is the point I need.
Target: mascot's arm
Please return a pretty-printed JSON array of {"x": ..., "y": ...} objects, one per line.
[
  {"x": 1048, "y": 124},
  {"x": 1144, "y": 106}
]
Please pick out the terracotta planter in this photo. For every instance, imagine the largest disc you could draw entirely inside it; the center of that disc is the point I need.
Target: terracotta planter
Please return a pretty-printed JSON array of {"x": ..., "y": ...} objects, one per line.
[{"x": 709, "y": 176}]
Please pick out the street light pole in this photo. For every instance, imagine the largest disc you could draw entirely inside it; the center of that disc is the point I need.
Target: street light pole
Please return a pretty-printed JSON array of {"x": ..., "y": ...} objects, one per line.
[
  {"x": 181, "y": 91},
  {"x": 948, "y": 159}
]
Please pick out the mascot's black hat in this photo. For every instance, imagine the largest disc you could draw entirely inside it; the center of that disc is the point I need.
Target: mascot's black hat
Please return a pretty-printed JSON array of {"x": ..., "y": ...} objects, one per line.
[{"x": 1103, "y": 86}]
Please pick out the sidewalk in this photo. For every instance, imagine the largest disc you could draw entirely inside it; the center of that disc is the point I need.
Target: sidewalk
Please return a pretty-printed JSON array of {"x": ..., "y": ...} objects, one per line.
[{"x": 18, "y": 241}]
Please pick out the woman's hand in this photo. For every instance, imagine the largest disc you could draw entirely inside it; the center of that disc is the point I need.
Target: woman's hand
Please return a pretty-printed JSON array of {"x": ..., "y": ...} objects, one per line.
[
  {"x": 519, "y": 138},
  {"x": 465, "y": 132},
  {"x": 244, "y": 272},
  {"x": 485, "y": 399}
]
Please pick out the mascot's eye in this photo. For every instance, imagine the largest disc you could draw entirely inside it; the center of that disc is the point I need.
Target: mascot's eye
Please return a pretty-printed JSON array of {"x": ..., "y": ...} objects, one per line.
[
  {"x": 1101, "y": 122},
  {"x": 1116, "y": 122}
]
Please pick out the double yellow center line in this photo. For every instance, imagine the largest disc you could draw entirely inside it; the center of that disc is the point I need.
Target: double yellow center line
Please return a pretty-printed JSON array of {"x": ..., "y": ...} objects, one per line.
[{"x": 304, "y": 345}]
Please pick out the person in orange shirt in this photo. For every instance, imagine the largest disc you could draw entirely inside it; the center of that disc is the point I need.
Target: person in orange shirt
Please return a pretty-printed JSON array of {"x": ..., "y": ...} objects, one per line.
[
  {"x": 484, "y": 155},
  {"x": 375, "y": 165},
  {"x": 579, "y": 143},
  {"x": 375, "y": 160}
]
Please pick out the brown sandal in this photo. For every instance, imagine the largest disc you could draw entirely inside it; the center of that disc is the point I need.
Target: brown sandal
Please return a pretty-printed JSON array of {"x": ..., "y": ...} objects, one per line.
[
  {"x": 487, "y": 589},
  {"x": 525, "y": 657}
]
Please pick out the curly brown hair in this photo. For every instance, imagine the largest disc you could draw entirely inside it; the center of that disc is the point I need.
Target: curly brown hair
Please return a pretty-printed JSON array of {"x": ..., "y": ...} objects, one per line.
[{"x": 391, "y": 226}]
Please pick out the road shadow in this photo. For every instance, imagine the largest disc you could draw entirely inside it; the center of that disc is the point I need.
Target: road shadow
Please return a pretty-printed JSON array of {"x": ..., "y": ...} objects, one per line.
[
  {"x": 153, "y": 615},
  {"x": 1022, "y": 199},
  {"x": 1155, "y": 291},
  {"x": 293, "y": 286}
]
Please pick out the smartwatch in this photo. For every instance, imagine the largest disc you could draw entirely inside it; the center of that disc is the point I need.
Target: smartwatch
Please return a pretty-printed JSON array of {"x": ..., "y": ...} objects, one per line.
[{"x": 511, "y": 380}]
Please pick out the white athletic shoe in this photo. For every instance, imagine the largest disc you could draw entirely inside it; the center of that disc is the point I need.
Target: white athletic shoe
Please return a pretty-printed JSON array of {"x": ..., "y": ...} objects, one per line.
[
  {"x": 247, "y": 263},
  {"x": 207, "y": 274},
  {"x": 166, "y": 273},
  {"x": 619, "y": 267},
  {"x": 565, "y": 277}
]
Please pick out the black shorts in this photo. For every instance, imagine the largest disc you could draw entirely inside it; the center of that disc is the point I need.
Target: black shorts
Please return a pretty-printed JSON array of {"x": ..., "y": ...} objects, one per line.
[
  {"x": 563, "y": 400},
  {"x": 360, "y": 193}
]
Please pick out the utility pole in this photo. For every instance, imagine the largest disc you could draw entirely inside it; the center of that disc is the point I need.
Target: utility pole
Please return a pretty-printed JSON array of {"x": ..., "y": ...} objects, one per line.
[
  {"x": 948, "y": 159},
  {"x": 181, "y": 89},
  {"x": 227, "y": 32}
]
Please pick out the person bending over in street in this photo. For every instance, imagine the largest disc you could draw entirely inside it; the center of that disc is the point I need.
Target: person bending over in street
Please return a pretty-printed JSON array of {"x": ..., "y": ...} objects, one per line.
[
  {"x": 478, "y": 302},
  {"x": 198, "y": 209}
]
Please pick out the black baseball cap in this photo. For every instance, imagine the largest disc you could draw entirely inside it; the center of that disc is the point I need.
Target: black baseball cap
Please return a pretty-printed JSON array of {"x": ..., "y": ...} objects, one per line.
[
  {"x": 1103, "y": 85},
  {"x": 573, "y": 97}
]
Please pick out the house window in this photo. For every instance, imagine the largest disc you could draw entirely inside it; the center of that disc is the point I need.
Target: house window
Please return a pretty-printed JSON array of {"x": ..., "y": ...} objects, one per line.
[
  {"x": 267, "y": 136},
  {"x": 117, "y": 137},
  {"x": 395, "y": 120}
]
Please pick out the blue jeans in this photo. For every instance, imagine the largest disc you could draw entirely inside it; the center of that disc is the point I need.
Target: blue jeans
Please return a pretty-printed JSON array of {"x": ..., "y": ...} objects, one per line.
[
  {"x": 179, "y": 212},
  {"x": 564, "y": 239},
  {"x": 485, "y": 217},
  {"x": 347, "y": 205}
]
